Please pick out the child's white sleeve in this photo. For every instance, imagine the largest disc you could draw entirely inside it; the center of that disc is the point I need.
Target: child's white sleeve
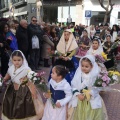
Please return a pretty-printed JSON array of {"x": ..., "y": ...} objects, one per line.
[{"x": 68, "y": 95}]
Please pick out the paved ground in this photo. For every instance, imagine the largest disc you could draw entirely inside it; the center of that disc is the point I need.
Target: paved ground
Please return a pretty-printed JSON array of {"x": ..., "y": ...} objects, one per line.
[{"x": 111, "y": 99}]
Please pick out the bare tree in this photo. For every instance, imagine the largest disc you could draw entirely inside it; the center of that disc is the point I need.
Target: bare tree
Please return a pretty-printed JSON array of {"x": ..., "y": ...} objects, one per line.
[{"x": 108, "y": 8}]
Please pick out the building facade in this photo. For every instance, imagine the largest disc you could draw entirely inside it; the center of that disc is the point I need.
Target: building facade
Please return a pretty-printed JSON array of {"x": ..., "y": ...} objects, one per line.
[{"x": 19, "y": 9}]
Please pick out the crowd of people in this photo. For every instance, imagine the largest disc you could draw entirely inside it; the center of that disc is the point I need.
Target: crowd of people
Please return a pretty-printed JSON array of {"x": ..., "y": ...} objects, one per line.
[{"x": 23, "y": 45}]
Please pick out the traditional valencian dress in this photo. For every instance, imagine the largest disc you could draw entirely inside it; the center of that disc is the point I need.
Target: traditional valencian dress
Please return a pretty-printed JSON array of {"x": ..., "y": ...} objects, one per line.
[
  {"x": 98, "y": 51},
  {"x": 21, "y": 103},
  {"x": 68, "y": 49},
  {"x": 62, "y": 93},
  {"x": 92, "y": 109}
]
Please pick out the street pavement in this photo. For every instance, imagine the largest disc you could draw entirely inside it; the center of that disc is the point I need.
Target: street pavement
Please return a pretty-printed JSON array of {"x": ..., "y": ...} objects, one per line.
[{"x": 111, "y": 98}]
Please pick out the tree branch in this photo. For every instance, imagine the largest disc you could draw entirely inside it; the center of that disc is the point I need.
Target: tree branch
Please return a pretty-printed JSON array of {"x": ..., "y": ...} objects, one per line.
[
  {"x": 111, "y": 5},
  {"x": 101, "y": 3}
]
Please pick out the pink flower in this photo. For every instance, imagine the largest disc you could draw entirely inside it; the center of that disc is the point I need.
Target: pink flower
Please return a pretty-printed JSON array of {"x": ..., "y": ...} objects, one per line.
[
  {"x": 108, "y": 80},
  {"x": 104, "y": 84},
  {"x": 105, "y": 78},
  {"x": 0, "y": 76}
]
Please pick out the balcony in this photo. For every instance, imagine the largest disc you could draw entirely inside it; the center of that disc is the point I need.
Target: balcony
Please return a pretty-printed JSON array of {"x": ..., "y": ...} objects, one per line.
[
  {"x": 61, "y": 2},
  {"x": 18, "y": 3},
  {"x": 4, "y": 7}
]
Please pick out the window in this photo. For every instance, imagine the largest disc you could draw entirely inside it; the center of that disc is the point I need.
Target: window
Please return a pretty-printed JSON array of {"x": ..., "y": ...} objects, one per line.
[{"x": 118, "y": 15}]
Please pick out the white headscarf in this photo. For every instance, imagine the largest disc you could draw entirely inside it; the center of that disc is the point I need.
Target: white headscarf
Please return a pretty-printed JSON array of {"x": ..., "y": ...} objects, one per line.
[
  {"x": 25, "y": 63},
  {"x": 95, "y": 52},
  {"x": 78, "y": 83},
  {"x": 21, "y": 72},
  {"x": 71, "y": 45}
]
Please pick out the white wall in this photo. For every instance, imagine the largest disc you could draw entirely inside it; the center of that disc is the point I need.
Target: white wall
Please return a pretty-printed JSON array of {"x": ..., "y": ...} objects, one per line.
[
  {"x": 63, "y": 13},
  {"x": 88, "y": 5}
]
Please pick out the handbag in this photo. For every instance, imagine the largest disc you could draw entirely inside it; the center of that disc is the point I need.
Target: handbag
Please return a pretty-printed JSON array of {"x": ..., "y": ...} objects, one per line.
[{"x": 35, "y": 42}]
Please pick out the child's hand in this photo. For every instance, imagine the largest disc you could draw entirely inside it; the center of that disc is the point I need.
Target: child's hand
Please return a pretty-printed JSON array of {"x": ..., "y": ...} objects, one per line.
[
  {"x": 47, "y": 95},
  {"x": 81, "y": 97},
  {"x": 66, "y": 58},
  {"x": 58, "y": 105}
]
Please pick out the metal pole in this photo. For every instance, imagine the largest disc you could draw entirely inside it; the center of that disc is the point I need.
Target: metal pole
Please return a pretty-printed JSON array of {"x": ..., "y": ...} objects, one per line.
[
  {"x": 42, "y": 10},
  {"x": 69, "y": 9}
]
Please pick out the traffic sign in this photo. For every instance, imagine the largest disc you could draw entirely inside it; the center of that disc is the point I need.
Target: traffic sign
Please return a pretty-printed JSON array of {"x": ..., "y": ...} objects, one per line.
[{"x": 88, "y": 13}]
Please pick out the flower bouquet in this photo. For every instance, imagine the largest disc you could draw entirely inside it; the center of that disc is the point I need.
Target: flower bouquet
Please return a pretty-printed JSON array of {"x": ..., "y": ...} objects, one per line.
[
  {"x": 114, "y": 46},
  {"x": 102, "y": 80},
  {"x": 99, "y": 59},
  {"x": 53, "y": 53},
  {"x": 113, "y": 75},
  {"x": 105, "y": 79},
  {"x": 37, "y": 79}
]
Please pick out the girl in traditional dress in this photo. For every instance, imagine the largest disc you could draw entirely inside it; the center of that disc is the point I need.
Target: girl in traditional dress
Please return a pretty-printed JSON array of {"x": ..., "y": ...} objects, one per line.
[
  {"x": 67, "y": 49},
  {"x": 61, "y": 94},
  {"x": 96, "y": 47},
  {"x": 87, "y": 106},
  {"x": 20, "y": 102},
  {"x": 107, "y": 45},
  {"x": 83, "y": 44}
]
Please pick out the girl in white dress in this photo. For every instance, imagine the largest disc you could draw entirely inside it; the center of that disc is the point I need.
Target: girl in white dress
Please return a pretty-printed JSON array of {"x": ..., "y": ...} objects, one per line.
[
  {"x": 61, "y": 94},
  {"x": 96, "y": 47},
  {"x": 88, "y": 106},
  {"x": 20, "y": 102}
]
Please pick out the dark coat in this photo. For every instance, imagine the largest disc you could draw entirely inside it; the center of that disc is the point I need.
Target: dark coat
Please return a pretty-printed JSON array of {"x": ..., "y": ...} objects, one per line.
[
  {"x": 34, "y": 30},
  {"x": 22, "y": 38}
]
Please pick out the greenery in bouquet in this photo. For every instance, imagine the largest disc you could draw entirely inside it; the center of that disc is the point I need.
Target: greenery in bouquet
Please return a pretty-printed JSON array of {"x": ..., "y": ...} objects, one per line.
[
  {"x": 102, "y": 80},
  {"x": 115, "y": 45},
  {"x": 99, "y": 59}
]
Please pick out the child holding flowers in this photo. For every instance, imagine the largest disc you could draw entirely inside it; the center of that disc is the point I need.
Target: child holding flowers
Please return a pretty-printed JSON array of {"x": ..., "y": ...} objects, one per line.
[
  {"x": 87, "y": 101},
  {"x": 21, "y": 101},
  {"x": 61, "y": 94}
]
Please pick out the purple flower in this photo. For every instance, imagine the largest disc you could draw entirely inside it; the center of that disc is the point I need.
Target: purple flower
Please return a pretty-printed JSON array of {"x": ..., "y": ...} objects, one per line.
[
  {"x": 104, "y": 84},
  {"x": 105, "y": 78}
]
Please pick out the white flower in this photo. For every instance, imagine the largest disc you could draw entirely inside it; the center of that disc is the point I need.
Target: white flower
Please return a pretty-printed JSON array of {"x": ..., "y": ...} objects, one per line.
[
  {"x": 30, "y": 74},
  {"x": 0, "y": 84},
  {"x": 56, "y": 51},
  {"x": 115, "y": 77},
  {"x": 35, "y": 74},
  {"x": 34, "y": 78}
]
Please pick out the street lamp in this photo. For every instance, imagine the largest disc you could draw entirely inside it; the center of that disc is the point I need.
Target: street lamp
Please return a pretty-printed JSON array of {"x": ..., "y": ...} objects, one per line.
[
  {"x": 69, "y": 20},
  {"x": 39, "y": 4}
]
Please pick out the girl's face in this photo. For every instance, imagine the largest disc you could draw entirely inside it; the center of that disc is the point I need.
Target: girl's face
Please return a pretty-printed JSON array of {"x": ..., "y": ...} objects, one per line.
[
  {"x": 66, "y": 36},
  {"x": 95, "y": 45},
  {"x": 86, "y": 67},
  {"x": 17, "y": 61},
  {"x": 108, "y": 39},
  {"x": 114, "y": 28},
  {"x": 6, "y": 28},
  {"x": 85, "y": 33},
  {"x": 54, "y": 75}
]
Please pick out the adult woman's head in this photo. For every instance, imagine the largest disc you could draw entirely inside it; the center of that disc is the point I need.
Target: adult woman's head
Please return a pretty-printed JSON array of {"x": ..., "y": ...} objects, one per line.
[
  {"x": 4, "y": 27},
  {"x": 47, "y": 29}
]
